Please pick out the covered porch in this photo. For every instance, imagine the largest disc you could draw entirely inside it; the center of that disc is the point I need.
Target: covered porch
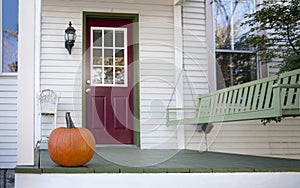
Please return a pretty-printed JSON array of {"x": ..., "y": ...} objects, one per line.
[
  {"x": 133, "y": 160},
  {"x": 132, "y": 167}
]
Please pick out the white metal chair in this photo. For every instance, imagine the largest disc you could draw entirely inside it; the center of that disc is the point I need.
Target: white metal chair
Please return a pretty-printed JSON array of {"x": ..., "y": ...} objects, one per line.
[{"x": 48, "y": 102}]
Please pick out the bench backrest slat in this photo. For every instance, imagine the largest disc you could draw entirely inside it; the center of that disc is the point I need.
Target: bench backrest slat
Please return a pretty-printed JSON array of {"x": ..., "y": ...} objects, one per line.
[
  {"x": 290, "y": 96},
  {"x": 270, "y": 97},
  {"x": 247, "y": 101}
]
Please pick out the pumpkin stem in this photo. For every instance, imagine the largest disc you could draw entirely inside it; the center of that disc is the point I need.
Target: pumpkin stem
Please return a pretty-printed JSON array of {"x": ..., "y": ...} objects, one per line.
[{"x": 69, "y": 121}]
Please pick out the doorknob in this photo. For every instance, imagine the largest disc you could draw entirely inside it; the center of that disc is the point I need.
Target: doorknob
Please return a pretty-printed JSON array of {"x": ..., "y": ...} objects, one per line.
[
  {"x": 88, "y": 81},
  {"x": 88, "y": 90}
]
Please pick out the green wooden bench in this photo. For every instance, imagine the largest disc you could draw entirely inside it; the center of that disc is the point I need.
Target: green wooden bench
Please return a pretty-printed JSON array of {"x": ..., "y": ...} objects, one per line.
[{"x": 271, "y": 97}]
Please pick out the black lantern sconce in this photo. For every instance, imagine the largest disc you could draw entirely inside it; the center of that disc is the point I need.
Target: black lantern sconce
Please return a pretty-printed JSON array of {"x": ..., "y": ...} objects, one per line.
[{"x": 70, "y": 37}]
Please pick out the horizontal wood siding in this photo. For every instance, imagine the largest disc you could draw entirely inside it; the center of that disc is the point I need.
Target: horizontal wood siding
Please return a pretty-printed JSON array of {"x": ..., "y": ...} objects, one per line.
[
  {"x": 195, "y": 63},
  {"x": 195, "y": 52},
  {"x": 8, "y": 122},
  {"x": 250, "y": 137},
  {"x": 63, "y": 72}
]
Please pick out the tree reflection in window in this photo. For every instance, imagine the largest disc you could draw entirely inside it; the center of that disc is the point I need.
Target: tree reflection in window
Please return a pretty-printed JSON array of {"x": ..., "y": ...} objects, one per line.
[
  {"x": 232, "y": 53},
  {"x": 237, "y": 68},
  {"x": 9, "y": 25}
]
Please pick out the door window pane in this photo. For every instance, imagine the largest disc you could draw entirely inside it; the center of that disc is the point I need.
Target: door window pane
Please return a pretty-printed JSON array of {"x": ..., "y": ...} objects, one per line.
[
  {"x": 108, "y": 75},
  {"x": 119, "y": 38},
  {"x": 97, "y": 38},
  {"x": 97, "y": 56},
  {"x": 108, "y": 38},
  {"x": 97, "y": 76},
  {"x": 108, "y": 57},
  {"x": 120, "y": 74},
  {"x": 120, "y": 58}
]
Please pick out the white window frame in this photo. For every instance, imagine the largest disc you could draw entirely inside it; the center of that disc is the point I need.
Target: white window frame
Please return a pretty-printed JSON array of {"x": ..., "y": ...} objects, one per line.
[
  {"x": 1, "y": 50},
  {"x": 114, "y": 48},
  {"x": 1, "y": 34}
]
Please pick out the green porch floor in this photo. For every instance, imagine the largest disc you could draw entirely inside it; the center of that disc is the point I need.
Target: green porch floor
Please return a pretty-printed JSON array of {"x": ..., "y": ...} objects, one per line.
[{"x": 133, "y": 160}]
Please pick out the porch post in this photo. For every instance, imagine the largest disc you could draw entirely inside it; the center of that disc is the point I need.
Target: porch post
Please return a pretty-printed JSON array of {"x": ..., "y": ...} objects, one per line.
[
  {"x": 212, "y": 78},
  {"x": 26, "y": 88},
  {"x": 178, "y": 69}
]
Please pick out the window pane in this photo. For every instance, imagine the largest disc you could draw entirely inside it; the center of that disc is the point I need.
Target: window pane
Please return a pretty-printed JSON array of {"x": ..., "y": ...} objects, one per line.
[
  {"x": 96, "y": 76},
  {"x": 120, "y": 75},
  {"x": 97, "y": 38},
  {"x": 108, "y": 72},
  {"x": 120, "y": 58},
  {"x": 108, "y": 57},
  {"x": 97, "y": 56},
  {"x": 241, "y": 8},
  {"x": 108, "y": 38},
  {"x": 235, "y": 68},
  {"x": 222, "y": 13},
  {"x": 119, "y": 38},
  {"x": 229, "y": 14},
  {"x": 9, "y": 35}
]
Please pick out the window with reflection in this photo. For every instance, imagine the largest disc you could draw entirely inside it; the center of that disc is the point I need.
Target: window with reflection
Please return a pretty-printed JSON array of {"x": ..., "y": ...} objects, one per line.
[
  {"x": 109, "y": 56},
  {"x": 9, "y": 36},
  {"x": 235, "y": 63}
]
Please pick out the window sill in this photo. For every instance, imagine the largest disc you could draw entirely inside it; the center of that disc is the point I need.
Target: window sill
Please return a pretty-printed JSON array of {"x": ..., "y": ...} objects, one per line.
[{"x": 8, "y": 74}]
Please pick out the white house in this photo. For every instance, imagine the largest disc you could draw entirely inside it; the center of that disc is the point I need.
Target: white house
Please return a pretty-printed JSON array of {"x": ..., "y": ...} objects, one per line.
[{"x": 157, "y": 54}]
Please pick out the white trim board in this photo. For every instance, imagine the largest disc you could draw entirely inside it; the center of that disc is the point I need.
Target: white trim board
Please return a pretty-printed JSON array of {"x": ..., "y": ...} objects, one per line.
[{"x": 212, "y": 180}]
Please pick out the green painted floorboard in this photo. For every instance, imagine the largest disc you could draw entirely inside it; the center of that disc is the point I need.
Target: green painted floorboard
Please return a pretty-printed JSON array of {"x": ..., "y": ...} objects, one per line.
[{"x": 133, "y": 160}]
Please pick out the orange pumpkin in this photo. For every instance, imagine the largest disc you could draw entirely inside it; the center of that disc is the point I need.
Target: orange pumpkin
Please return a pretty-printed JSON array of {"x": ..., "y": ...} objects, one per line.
[{"x": 71, "y": 146}]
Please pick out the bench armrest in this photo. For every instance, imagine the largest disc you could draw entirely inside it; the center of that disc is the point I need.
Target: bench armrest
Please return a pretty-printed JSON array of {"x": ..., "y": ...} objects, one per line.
[{"x": 176, "y": 121}]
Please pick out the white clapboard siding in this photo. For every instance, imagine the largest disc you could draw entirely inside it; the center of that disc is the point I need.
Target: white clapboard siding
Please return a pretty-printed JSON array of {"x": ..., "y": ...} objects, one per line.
[
  {"x": 251, "y": 137},
  {"x": 195, "y": 51},
  {"x": 8, "y": 121},
  {"x": 195, "y": 63},
  {"x": 59, "y": 70}
]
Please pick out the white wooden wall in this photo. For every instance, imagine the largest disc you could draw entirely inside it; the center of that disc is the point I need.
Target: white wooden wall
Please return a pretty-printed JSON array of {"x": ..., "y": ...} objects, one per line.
[
  {"x": 195, "y": 51},
  {"x": 250, "y": 137},
  {"x": 195, "y": 62},
  {"x": 62, "y": 72},
  {"x": 59, "y": 70},
  {"x": 281, "y": 140},
  {"x": 156, "y": 74},
  {"x": 8, "y": 121}
]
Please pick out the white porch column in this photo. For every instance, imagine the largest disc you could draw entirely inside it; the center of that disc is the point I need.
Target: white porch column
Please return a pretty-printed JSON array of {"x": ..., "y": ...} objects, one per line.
[
  {"x": 26, "y": 88},
  {"x": 212, "y": 78},
  {"x": 178, "y": 69}
]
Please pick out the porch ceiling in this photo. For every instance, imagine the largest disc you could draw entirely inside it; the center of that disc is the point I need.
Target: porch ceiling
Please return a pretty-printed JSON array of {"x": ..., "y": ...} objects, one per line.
[{"x": 133, "y": 160}]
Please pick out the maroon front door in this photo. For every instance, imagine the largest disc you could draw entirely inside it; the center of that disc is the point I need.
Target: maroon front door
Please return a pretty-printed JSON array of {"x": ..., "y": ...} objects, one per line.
[{"x": 109, "y": 81}]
